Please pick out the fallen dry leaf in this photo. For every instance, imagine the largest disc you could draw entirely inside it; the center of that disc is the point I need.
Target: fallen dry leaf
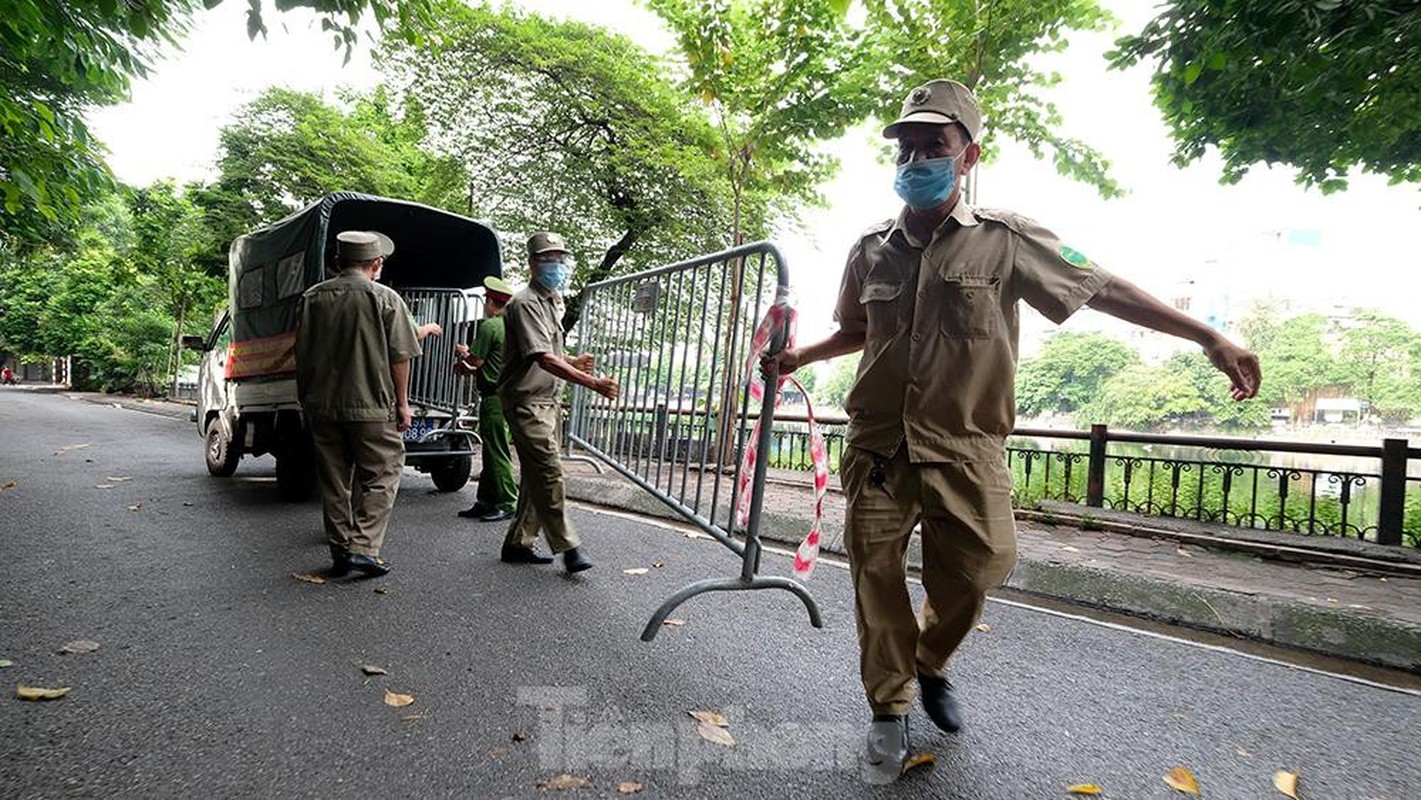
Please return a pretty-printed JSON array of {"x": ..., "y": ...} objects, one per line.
[
  {"x": 397, "y": 700},
  {"x": 1183, "y": 552},
  {"x": 919, "y": 761},
  {"x": 1181, "y": 779},
  {"x": 658, "y": 564},
  {"x": 630, "y": 787},
  {"x": 103, "y": 486},
  {"x": 715, "y": 734},
  {"x": 79, "y": 646},
  {"x": 371, "y": 669},
  {"x": 636, "y": 571},
  {"x": 710, "y": 718},
  {"x": 697, "y": 535},
  {"x": 1070, "y": 549},
  {"x": 112, "y": 479},
  {"x": 674, "y": 623},
  {"x": 1244, "y": 753},
  {"x": 66, "y": 449},
  {"x": 564, "y": 781},
  {"x": 5, "y": 662},
  {"x": 8, "y": 485},
  {"x": 498, "y": 752},
  {"x": 1286, "y": 782},
  {"x": 984, "y": 628},
  {"x": 24, "y": 692},
  {"x": 382, "y": 590},
  {"x": 1083, "y": 788},
  {"x": 136, "y": 506},
  {"x": 309, "y": 577}
]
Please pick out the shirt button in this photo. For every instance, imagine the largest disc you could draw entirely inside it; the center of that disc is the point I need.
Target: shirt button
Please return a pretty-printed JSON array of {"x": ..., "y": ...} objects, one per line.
[{"x": 917, "y": 336}]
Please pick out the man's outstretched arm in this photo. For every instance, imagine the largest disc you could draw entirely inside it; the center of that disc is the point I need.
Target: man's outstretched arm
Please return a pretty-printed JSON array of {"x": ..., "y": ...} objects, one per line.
[{"x": 1123, "y": 299}]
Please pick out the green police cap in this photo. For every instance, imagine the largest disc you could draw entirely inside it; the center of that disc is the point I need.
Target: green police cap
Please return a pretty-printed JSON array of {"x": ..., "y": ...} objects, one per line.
[
  {"x": 363, "y": 245},
  {"x": 546, "y": 242},
  {"x": 938, "y": 103},
  {"x": 497, "y": 289}
]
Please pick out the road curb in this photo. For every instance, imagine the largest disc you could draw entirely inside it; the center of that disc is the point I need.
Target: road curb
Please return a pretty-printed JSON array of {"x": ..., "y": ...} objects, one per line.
[{"x": 1353, "y": 634}]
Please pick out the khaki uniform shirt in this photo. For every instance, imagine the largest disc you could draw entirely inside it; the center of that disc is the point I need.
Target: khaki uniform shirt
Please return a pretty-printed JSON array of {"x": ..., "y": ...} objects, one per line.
[
  {"x": 938, "y": 369},
  {"x": 532, "y": 324},
  {"x": 349, "y": 330}
]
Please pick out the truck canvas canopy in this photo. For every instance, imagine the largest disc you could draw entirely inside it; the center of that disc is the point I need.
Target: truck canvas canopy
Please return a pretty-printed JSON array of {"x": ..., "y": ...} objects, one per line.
[{"x": 272, "y": 266}]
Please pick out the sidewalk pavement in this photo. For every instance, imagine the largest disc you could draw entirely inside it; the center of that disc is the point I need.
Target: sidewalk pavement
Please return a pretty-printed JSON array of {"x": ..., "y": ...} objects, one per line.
[{"x": 1153, "y": 567}]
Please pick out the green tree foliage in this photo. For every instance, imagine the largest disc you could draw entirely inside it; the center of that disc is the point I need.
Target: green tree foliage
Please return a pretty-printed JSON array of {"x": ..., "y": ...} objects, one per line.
[
  {"x": 994, "y": 49},
  {"x": 111, "y": 296},
  {"x": 60, "y": 57},
  {"x": 569, "y": 127},
  {"x": 779, "y": 77},
  {"x": 1142, "y": 398},
  {"x": 1219, "y": 410},
  {"x": 1297, "y": 361},
  {"x": 834, "y": 389},
  {"x": 287, "y": 149},
  {"x": 1380, "y": 359},
  {"x": 169, "y": 234},
  {"x": 1069, "y": 372},
  {"x": 1322, "y": 85}
]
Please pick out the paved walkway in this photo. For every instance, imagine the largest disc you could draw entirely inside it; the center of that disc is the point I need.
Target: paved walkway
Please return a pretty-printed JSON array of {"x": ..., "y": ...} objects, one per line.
[{"x": 1350, "y": 613}]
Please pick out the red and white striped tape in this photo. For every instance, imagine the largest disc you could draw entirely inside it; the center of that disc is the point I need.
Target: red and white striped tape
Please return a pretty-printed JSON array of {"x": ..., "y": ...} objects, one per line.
[{"x": 782, "y": 314}]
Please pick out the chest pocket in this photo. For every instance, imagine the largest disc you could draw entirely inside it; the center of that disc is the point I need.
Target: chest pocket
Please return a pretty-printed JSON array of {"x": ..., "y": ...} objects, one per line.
[
  {"x": 970, "y": 307},
  {"x": 880, "y": 304}
]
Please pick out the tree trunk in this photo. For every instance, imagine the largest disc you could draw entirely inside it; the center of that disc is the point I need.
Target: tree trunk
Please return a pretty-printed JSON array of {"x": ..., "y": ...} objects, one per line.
[{"x": 573, "y": 310}]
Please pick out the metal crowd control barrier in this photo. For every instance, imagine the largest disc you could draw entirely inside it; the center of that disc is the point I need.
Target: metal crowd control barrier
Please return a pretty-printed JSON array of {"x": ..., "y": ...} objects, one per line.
[
  {"x": 677, "y": 339},
  {"x": 434, "y": 385}
]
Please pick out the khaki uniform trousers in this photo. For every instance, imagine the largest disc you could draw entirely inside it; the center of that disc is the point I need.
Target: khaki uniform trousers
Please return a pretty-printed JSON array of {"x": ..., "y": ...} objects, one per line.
[
  {"x": 534, "y": 428},
  {"x": 969, "y": 547},
  {"x": 358, "y": 466}
]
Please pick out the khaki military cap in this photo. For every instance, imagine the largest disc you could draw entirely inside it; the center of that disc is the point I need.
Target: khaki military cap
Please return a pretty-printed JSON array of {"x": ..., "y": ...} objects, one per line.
[
  {"x": 363, "y": 245},
  {"x": 937, "y": 103},
  {"x": 546, "y": 242},
  {"x": 497, "y": 289}
]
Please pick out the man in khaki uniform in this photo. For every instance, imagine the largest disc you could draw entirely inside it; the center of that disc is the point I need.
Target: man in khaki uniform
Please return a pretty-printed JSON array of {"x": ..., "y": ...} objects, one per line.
[
  {"x": 531, "y": 387},
  {"x": 931, "y": 299},
  {"x": 354, "y": 342}
]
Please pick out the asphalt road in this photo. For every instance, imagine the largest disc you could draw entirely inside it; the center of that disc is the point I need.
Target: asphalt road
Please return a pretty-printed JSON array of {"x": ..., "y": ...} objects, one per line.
[{"x": 220, "y": 675}]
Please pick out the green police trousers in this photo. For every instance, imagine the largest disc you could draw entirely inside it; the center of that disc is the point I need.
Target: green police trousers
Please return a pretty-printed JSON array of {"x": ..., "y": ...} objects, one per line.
[{"x": 497, "y": 488}]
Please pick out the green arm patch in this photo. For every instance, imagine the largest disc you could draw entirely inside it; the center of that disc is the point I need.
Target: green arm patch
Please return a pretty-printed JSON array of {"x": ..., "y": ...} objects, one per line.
[{"x": 1075, "y": 258}]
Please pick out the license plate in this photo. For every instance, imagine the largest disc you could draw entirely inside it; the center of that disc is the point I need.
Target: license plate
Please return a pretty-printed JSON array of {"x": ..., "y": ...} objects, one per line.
[{"x": 419, "y": 426}]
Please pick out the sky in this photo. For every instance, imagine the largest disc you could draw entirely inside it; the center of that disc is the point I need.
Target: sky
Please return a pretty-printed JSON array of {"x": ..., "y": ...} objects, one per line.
[{"x": 1177, "y": 232}]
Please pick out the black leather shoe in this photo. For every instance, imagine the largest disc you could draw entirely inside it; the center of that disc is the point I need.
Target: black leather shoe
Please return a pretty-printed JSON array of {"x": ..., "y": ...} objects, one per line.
[
  {"x": 340, "y": 563},
  {"x": 887, "y": 748},
  {"x": 523, "y": 555},
  {"x": 574, "y": 561},
  {"x": 496, "y": 515},
  {"x": 370, "y": 566},
  {"x": 475, "y": 511},
  {"x": 938, "y": 701}
]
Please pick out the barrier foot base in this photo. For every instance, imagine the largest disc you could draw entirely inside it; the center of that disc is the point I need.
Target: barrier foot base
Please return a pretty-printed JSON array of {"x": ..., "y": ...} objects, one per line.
[{"x": 730, "y": 585}]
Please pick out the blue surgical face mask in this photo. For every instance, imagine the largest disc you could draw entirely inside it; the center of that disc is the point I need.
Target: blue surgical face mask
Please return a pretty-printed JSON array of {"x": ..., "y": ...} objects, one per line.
[
  {"x": 554, "y": 274},
  {"x": 928, "y": 183}
]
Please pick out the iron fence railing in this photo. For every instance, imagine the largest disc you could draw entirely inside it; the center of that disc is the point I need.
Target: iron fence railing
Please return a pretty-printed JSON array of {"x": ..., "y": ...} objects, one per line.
[{"x": 1359, "y": 492}]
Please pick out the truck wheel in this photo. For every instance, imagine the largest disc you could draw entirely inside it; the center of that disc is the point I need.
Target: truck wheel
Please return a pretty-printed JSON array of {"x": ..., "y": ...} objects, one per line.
[
  {"x": 296, "y": 472},
  {"x": 222, "y": 455},
  {"x": 451, "y": 474}
]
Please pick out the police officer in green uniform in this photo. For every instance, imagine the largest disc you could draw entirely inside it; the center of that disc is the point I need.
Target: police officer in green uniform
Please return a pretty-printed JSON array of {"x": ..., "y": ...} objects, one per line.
[
  {"x": 498, "y": 492},
  {"x": 531, "y": 385},
  {"x": 931, "y": 298},
  {"x": 354, "y": 342}
]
